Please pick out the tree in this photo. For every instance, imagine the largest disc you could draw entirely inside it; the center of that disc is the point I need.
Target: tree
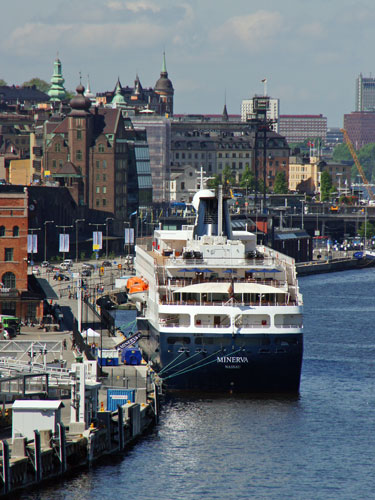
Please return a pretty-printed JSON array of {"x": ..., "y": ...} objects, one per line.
[
  {"x": 280, "y": 186},
  {"x": 248, "y": 179},
  {"x": 3, "y": 83},
  {"x": 41, "y": 85},
  {"x": 370, "y": 230},
  {"x": 341, "y": 153},
  {"x": 214, "y": 182},
  {"x": 325, "y": 186}
]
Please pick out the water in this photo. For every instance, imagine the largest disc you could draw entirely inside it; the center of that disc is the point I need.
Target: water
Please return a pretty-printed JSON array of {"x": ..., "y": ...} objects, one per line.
[{"x": 318, "y": 446}]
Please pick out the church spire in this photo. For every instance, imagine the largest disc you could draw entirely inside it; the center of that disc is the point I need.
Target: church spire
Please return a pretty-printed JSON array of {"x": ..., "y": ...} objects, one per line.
[{"x": 57, "y": 91}]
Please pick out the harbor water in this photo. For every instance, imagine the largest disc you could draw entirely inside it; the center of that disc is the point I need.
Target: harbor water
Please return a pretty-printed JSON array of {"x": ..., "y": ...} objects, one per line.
[{"x": 320, "y": 445}]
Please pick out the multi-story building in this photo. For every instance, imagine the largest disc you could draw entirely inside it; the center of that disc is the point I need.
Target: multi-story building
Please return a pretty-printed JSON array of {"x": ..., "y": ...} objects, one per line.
[
  {"x": 360, "y": 126},
  {"x": 158, "y": 100},
  {"x": 248, "y": 112},
  {"x": 305, "y": 172},
  {"x": 298, "y": 128},
  {"x": 365, "y": 93},
  {"x": 15, "y": 297},
  {"x": 88, "y": 151}
]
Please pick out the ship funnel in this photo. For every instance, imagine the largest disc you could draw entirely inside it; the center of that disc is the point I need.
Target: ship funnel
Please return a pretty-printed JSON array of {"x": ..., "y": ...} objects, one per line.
[{"x": 213, "y": 217}]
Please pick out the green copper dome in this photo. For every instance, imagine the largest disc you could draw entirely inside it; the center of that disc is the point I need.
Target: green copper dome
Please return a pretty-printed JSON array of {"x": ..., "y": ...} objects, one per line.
[{"x": 57, "y": 91}]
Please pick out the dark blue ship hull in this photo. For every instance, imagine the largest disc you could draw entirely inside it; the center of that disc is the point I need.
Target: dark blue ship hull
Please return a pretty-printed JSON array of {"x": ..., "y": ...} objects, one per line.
[{"x": 217, "y": 363}]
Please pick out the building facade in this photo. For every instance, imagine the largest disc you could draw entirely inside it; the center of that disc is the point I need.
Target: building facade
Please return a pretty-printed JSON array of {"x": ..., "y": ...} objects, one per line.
[
  {"x": 89, "y": 152},
  {"x": 298, "y": 128},
  {"x": 365, "y": 93},
  {"x": 360, "y": 126},
  {"x": 15, "y": 297},
  {"x": 273, "y": 111}
]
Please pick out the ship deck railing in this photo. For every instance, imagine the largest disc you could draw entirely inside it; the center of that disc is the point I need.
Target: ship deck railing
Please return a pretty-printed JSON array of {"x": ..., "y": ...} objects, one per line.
[
  {"x": 231, "y": 302},
  {"x": 182, "y": 282}
]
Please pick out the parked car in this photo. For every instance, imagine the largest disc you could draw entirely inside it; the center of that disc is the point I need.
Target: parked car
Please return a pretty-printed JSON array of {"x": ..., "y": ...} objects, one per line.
[
  {"x": 64, "y": 267},
  {"x": 87, "y": 265},
  {"x": 106, "y": 263},
  {"x": 45, "y": 263},
  {"x": 68, "y": 262},
  {"x": 61, "y": 277},
  {"x": 86, "y": 272}
]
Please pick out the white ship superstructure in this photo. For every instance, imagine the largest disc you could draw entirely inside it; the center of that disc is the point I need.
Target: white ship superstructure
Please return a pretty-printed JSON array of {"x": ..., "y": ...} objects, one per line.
[{"x": 221, "y": 313}]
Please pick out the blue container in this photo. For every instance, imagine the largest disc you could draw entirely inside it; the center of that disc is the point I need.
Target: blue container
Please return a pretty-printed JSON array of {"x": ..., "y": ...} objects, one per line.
[
  {"x": 120, "y": 397},
  {"x": 131, "y": 356}
]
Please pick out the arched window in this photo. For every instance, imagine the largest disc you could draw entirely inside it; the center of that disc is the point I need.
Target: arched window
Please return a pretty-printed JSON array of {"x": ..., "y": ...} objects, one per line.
[
  {"x": 2, "y": 230},
  {"x": 16, "y": 231},
  {"x": 9, "y": 280}
]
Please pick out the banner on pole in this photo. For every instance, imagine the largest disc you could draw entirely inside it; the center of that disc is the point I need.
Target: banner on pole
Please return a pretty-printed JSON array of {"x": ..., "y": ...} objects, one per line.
[
  {"x": 97, "y": 240},
  {"x": 32, "y": 243},
  {"x": 64, "y": 243},
  {"x": 129, "y": 236}
]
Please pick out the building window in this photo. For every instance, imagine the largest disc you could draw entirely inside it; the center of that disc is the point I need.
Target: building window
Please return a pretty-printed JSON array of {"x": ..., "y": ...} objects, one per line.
[
  {"x": 60, "y": 163},
  {"x": 9, "y": 307},
  {"x": 104, "y": 202},
  {"x": 105, "y": 177},
  {"x": 9, "y": 280},
  {"x": 2, "y": 230},
  {"x": 104, "y": 163},
  {"x": 8, "y": 254},
  {"x": 104, "y": 190},
  {"x": 16, "y": 231},
  {"x": 98, "y": 177},
  {"x": 57, "y": 147},
  {"x": 97, "y": 203},
  {"x": 31, "y": 310},
  {"x": 182, "y": 186},
  {"x": 53, "y": 163},
  {"x": 79, "y": 155},
  {"x": 79, "y": 134},
  {"x": 97, "y": 189},
  {"x": 101, "y": 148},
  {"x": 177, "y": 156},
  {"x": 97, "y": 163}
]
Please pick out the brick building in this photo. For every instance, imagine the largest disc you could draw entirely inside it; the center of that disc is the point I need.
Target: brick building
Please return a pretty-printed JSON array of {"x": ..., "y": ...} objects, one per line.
[
  {"x": 15, "y": 296},
  {"x": 360, "y": 126},
  {"x": 89, "y": 152}
]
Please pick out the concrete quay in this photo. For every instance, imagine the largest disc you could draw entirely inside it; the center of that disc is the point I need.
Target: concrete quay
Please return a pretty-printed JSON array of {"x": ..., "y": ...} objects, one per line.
[{"x": 27, "y": 462}]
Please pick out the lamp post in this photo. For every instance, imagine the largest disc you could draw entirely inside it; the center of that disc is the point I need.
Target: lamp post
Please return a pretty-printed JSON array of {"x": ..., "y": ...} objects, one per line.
[
  {"x": 106, "y": 235},
  {"x": 76, "y": 223},
  {"x": 32, "y": 229},
  {"x": 45, "y": 236},
  {"x": 64, "y": 227},
  {"x": 97, "y": 230}
]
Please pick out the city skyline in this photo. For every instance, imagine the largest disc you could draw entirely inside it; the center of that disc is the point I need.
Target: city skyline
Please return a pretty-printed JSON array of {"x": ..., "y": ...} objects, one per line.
[{"x": 310, "y": 54}]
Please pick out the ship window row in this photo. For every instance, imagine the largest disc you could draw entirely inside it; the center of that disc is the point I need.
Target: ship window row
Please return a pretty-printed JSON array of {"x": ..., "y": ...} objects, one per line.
[
  {"x": 246, "y": 341},
  {"x": 241, "y": 321}
]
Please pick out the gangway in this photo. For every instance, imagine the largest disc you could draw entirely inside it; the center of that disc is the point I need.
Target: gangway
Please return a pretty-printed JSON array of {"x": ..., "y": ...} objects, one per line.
[{"x": 56, "y": 376}]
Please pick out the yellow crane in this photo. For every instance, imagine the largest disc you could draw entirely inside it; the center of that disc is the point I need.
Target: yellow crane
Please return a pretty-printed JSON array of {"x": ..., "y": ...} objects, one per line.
[{"x": 358, "y": 165}]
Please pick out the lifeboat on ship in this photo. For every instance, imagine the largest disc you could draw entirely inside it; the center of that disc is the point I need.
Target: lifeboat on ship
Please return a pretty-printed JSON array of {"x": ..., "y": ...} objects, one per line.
[{"x": 137, "y": 289}]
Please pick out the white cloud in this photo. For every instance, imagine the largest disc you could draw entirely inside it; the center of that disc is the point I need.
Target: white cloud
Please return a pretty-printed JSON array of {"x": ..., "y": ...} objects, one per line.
[
  {"x": 135, "y": 6},
  {"x": 254, "y": 30},
  {"x": 30, "y": 38}
]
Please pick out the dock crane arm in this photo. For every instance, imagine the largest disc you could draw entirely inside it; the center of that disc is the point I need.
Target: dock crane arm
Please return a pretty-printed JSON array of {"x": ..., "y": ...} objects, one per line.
[{"x": 357, "y": 164}]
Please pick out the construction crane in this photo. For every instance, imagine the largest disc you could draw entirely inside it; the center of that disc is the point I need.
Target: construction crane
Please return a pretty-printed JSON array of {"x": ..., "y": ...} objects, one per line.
[{"x": 358, "y": 165}]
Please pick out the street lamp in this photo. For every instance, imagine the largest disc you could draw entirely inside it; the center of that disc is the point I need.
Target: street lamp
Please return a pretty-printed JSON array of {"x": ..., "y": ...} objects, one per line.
[
  {"x": 97, "y": 230},
  {"x": 33, "y": 249},
  {"x": 45, "y": 236},
  {"x": 106, "y": 235},
  {"x": 75, "y": 222}
]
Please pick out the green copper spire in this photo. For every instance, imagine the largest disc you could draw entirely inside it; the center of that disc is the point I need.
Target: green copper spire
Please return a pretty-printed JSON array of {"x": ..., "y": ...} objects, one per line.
[
  {"x": 118, "y": 98},
  {"x": 57, "y": 90},
  {"x": 164, "y": 66}
]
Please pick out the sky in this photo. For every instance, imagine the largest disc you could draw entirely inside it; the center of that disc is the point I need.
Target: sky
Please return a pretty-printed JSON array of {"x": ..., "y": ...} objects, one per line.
[{"x": 311, "y": 52}]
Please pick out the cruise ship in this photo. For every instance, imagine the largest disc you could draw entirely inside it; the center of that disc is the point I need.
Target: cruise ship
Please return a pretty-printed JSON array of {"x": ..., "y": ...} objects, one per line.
[{"x": 217, "y": 312}]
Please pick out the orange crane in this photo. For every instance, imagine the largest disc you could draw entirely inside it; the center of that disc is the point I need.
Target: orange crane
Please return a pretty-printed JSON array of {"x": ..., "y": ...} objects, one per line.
[{"x": 358, "y": 165}]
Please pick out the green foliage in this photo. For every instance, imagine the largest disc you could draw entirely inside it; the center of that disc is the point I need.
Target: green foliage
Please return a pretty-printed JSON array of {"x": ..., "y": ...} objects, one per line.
[
  {"x": 341, "y": 153},
  {"x": 248, "y": 179},
  {"x": 325, "y": 186},
  {"x": 280, "y": 186},
  {"x": 41, "y": 85},
  {"x": 214, "y": 183},
  {"x": 3, "y": 83},
  {"x": 227, "y": 177},
  {"x": 370, "y": 230}
]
